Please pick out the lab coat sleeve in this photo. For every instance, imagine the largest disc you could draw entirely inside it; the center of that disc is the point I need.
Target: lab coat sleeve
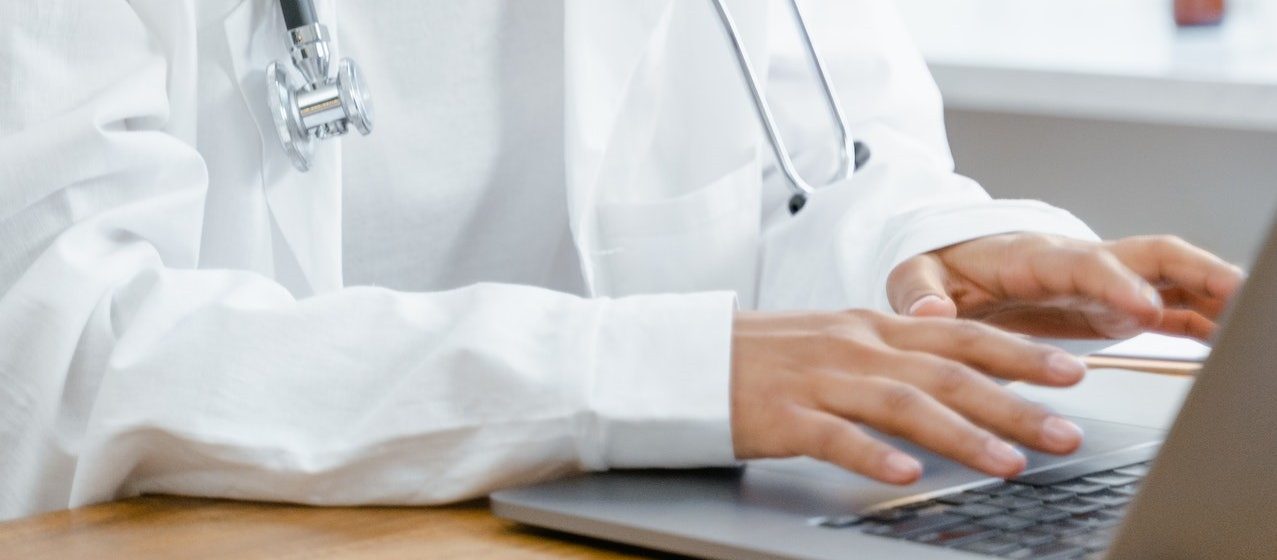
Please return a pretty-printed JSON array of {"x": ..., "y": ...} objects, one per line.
[
  {"x": 839, "y": 251},
  {"x": 124, "y": 368}
]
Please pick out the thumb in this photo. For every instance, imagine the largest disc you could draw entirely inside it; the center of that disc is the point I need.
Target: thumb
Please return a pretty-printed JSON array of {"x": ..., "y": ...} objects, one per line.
[{"x": 916, "y": 288}]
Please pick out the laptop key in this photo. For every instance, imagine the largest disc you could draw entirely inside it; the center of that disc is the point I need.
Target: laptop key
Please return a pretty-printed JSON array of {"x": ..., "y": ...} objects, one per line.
[
  {"x": 1098, "y": 519},
  {"x": 1128, "y": 489},
  {"x": 1043, "y": 514},
  {"x": 1080, "y": 486},
  {"x": 1047, "y": 494},
  {"x": 957, "y": 535},
  {"x": 1107, "y": 498},
  {"x": 1140, "y": 470},
  {"x": 1033, "y": 537},
  {"x": 891, "y": 515},
  {"x": 1012, "y": 502},
  {"x": 1000, "y": 544},
  {"x": 962, "y": 498},
  {"x": 1065, "y": 528},
  {"x": 1076, "y": 505},
  {"x": 841, "y": 521},
  {"x": 1056, "y": 475},
  {"x": 1050, "y": 551},
  {"x": 1088, "y": 542},
  {"x": 931, "y": 508},
  {"x": 1006, "y": 522},
  {"x": 918, "y": 526},
  {"x": 1000, "y": 489},
  {"x": 977, "y": 510},
  {"x": 1111, "y": 479}
]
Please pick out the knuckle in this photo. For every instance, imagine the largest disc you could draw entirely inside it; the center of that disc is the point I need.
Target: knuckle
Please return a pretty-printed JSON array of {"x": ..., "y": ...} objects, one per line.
[
  {"x": 878, "y": 322},
  {"x": 1095, "y": 258},
  {"x": 827, "y": 441},
  {"x": 1163, "y": 242},
  {"x": 1098, "y": 260},
  {"x": 966, "y": 332},
  {"x": 1034, "y": 242},
  {"x": 1025, "y": 414},
  {"x": 904, "y": 269},
  {"x": 978, "y": 443},
  {"x": 847, "y": 340},
  {"x": 831, "y": 337},
  {"x": 899, "y": 396},
  {"x": 871, "y": 317},
  {"x": 952, "y": 377},
  {"x": 858, "y": 318}
]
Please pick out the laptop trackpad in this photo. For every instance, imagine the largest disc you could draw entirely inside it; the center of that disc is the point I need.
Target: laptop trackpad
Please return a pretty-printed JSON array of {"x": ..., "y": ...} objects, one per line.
[{"x": 799, "y": 485}]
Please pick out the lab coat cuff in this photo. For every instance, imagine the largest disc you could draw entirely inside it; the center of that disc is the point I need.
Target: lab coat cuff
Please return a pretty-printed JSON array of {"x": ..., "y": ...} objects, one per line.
[
  {"x": 949, "y": 226},
  {"x": 661, "y": 386}
]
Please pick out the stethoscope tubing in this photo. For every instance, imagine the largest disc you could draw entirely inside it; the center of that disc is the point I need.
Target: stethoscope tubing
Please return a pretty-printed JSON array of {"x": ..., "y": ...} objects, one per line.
[{"x": 851, "y": 154}]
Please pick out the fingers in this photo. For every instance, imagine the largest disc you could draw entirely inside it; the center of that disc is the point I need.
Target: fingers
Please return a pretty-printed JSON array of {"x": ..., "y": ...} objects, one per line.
[
  {"x": 1184, "y": 322},
  {"x": 989, "y": 349},
  {"x": 1044, "y": 322},
  {"x": 1169, "y": 260},
  {"x": 834, "y": 440},
  {"x": 986, "y": 403},
  {"x": 917, "y": 287},
  {"x": 1180, "y": 298},
  {"x": 902, "y": 410},
  {"x": 1098, "y": 275}
]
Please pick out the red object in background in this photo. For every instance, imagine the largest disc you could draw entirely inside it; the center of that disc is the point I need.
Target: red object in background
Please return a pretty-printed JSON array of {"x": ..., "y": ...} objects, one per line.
[{"x": 1199, "y": 12}]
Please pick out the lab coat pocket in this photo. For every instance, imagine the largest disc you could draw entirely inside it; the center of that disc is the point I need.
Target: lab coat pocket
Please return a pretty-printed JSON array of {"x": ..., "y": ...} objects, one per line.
[{"x": 706, "y": 240}]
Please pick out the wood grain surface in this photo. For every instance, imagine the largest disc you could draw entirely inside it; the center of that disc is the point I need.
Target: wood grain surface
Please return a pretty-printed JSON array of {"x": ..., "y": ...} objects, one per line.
[{"x": 188, "y": 528}]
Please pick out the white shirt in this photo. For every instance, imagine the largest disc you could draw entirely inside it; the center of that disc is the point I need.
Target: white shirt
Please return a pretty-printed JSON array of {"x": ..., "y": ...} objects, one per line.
[
  {"x": 174, "y": 316},
  {"x": 491, "y": 87}
]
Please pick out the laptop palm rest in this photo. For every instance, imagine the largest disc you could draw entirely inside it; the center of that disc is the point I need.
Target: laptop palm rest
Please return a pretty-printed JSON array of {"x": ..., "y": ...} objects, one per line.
[{"x": 754, "y": 511}]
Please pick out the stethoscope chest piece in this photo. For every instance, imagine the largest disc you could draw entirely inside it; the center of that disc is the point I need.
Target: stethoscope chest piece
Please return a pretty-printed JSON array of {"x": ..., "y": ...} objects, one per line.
[{"x": 320, "y": 105}]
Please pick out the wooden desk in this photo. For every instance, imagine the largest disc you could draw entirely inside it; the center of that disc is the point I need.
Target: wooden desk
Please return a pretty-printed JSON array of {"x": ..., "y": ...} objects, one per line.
[{"x": 166, "y": 527}]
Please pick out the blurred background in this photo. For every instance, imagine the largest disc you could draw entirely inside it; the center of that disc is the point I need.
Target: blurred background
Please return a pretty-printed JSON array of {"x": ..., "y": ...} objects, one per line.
[{"x": 1112, "y": 110}]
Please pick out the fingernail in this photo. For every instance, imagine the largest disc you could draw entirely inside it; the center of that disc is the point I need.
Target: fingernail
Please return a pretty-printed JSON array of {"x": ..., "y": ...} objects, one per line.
[
  {"x": 1153, "y": 296},
  {"x": 1058, "y": 432},
  {"x": 913, "y": 309},
  {"x": 1126, "y": 327},
  {"x": 1002, "y": 456},
  {"x": 902, "y": 466},
  {"x": 1065, "y": 367}
]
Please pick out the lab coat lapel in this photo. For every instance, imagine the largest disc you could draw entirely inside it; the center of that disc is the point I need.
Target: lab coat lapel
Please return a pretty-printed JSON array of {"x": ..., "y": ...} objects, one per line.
[
  {"x": 305, "y": 207},
  {"x": 595, "y": 150},
  {"x": 647, "y": 220}
]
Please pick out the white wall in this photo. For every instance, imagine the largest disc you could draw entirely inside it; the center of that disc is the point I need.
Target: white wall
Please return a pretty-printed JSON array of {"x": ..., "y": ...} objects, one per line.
[{"x": 1216, "y": 188}]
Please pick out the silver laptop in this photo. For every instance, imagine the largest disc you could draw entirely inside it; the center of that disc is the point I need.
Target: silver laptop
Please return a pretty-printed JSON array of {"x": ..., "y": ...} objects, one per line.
[{"x": 1209, "y": 491}]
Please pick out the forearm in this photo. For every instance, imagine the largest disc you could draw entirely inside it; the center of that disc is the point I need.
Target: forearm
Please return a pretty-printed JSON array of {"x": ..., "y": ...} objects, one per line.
[{"x": 220, "y": 383}]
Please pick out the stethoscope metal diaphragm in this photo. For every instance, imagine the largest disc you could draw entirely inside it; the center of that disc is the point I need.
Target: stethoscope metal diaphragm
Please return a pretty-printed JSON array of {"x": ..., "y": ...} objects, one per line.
[{"x": 319, "y": 105}]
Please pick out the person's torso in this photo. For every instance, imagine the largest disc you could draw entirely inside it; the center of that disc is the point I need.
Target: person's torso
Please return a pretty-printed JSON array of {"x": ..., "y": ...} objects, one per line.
[
  {"x": 471, "y": 174},
  {"x": 462, "y": 180}
]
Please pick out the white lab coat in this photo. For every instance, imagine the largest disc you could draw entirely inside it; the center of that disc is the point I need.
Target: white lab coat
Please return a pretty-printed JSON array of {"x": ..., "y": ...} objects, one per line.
[{"x": 174, "y": 317}]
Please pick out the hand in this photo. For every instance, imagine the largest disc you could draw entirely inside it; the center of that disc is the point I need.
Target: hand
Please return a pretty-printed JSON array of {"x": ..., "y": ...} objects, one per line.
[
  {"x": 1056, "y": 287},
  {"x": 801, "y": 382}
]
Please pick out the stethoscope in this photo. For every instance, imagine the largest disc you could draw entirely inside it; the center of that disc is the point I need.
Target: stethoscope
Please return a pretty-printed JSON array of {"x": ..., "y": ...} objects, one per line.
[{"x": 325, "y": 105}]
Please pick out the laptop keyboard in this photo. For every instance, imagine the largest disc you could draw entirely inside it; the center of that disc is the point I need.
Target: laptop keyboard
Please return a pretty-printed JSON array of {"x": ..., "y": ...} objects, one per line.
[{"x": 1070, "y": 519}]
